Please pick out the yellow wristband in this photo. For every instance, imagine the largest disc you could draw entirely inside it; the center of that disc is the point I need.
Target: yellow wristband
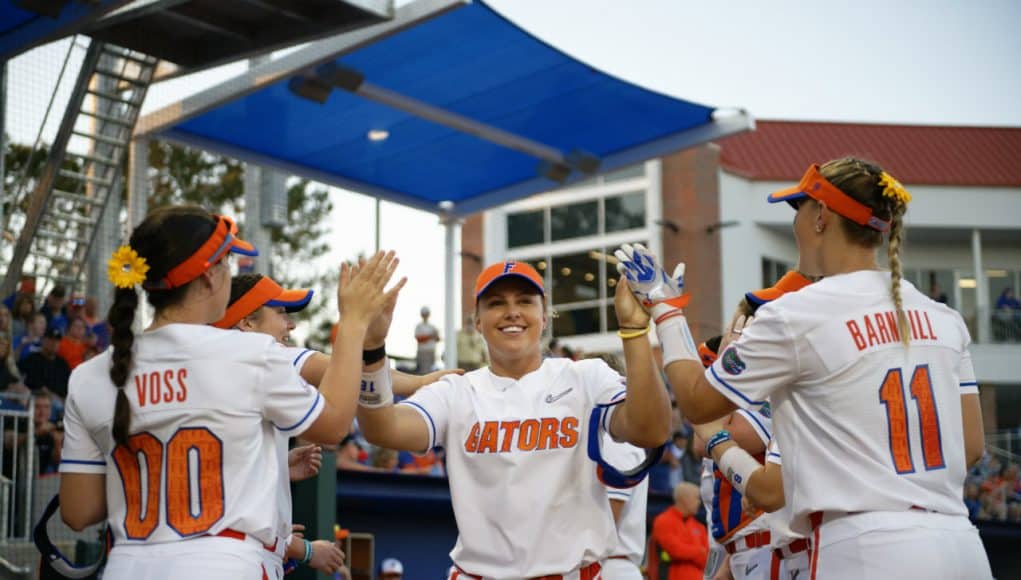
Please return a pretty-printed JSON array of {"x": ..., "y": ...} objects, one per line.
[{"x": 635, "y": 334}]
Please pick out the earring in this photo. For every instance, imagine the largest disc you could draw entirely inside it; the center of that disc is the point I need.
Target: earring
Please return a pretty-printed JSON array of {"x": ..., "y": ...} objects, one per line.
[{"x": 818, "y": 228}]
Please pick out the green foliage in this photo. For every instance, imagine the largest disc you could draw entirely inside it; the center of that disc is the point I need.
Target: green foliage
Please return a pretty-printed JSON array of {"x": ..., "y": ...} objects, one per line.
[{"x": 183, "y": 175}]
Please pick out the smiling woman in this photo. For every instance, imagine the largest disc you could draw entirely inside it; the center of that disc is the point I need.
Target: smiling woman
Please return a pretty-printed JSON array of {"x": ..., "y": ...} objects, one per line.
[{"x": 528, "y": 420}]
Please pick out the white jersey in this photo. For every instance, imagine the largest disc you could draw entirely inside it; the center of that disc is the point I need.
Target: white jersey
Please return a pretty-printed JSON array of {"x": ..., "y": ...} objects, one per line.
[
  {"x": 526, "y": 496},
  {"x": 863, "y": 411},
  {"x": 728, "y": 520},
  {"x": 632, "y": 522},
  {"x": 202, "y": 457}
]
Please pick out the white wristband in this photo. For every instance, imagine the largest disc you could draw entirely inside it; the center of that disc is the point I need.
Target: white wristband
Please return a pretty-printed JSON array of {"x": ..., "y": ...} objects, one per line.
[
  {"x": 377, "y": 388},
  {"x": 676, "y": 340},
  {"x": 737, "y": 465}
]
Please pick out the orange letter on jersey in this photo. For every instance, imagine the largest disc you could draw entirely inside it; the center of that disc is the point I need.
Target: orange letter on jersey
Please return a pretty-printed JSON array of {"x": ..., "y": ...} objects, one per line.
[
  {"x": 528, "y": 435},
  {"x": 490, "y": 437},
  {"x": 183, "y": 393},
  {"x": 548, "y": 433},
  {"x": 859, "y": 340},
  {"x": 471, "y": 444},
  {"x": 569, "y": 432},
  {"x": 509, "y": 427}
]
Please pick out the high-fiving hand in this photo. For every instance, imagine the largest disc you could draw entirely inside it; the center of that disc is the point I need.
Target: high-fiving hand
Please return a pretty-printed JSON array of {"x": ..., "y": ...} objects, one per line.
[{"x": 648, "y": 280}]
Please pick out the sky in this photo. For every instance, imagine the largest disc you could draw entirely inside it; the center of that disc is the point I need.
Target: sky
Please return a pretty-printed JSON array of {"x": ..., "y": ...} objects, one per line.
[{"x": 932, "y": 62}]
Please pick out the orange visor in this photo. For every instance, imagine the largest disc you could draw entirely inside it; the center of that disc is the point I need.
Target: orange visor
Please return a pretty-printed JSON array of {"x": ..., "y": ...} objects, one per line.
[
  {"x": 223, "y": 239},
  {"x": 499, "y": 270},
  {"x": 814, "y": 185},
  {"x": 790, "y": 282},
  {"x": 266, "y": 292}
]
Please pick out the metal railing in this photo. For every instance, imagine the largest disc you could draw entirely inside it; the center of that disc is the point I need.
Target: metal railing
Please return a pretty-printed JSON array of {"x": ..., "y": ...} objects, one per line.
[{"x": 17, "y": 470}]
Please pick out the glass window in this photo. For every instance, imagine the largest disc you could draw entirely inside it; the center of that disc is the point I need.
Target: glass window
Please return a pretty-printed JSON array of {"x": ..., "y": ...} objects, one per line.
[
  {"x": 773, "y": 270},
  {"x": 937, "y": 284},
  {"x": 525, "y": 228},
  {"x": 625, "y": 212},
  {"x": 574, "y": 220},
  {"x": 575, "y": 278},
  {"x": 572, "y": 321}
]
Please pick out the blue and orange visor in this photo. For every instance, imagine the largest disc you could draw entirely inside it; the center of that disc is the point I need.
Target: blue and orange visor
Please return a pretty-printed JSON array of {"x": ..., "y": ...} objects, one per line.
[
  {"x": 817, "y": 187},
  {"x": 265, "y": 292},
  {"x": 223, "y": 240}
]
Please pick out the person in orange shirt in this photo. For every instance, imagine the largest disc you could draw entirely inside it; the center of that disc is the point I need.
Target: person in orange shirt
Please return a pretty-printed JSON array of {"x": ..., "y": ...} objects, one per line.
[
  {"x": 681, "y": 541},
  {"x": 74, "y": 344}
]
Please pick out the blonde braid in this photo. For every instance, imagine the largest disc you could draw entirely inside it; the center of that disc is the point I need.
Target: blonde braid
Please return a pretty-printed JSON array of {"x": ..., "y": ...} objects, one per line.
[{"x": 893, "y": 253}]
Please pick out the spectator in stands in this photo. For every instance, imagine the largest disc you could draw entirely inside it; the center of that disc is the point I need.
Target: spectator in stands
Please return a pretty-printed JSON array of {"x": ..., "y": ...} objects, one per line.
[
  {"x": 97, "y": 326},
  {"x": 49, "y": 436},
  {"x": 424, "y": 464},
  {"x": 32, "y": 340},
  {"x": 937, "y": 293},
  {"x": 74, "y": 344},
  {"x": 1008, "y": 315},
  {"x": 471, "y": 349},
  {"x": 684, "y": 466},
  {"x": 384, "y": 460},
  {"x": 44, "y": 369},
  {"x": 681, "y": 541},
  {"x": 993, "y": 497},
  {"x": 53, "y": 308},
  {"x": 8, "y": 369},
  {"x": 426, "y": 335},
  {"x": 25, "y": 288},
  {"x": 22, "y": 313},
  {"x": 351, "y": 456},
  {"x": 391, "y": 568}
]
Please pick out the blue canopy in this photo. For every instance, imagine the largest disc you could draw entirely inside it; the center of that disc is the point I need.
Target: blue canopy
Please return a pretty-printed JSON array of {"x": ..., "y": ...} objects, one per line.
[
  {"x": 473, "y": 66},
  {"x": 22, "y": 29}
]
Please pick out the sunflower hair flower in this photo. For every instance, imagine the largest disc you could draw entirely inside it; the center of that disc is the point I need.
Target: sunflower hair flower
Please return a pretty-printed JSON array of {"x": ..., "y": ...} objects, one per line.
[
  {"x": 893, "y": 188},
  {"x": 126, "y": 268}
]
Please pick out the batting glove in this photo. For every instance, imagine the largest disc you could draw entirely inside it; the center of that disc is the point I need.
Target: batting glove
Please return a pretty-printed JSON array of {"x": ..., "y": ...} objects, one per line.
[{"x": 659, "y": 292}]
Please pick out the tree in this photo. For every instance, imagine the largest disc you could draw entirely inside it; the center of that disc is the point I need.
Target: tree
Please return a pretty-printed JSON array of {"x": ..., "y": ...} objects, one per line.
[{"x": 183, "y": 175}]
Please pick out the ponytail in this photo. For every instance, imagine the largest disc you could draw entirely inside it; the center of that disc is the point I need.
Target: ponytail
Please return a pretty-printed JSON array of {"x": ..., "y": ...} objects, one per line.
[
  {"x": 121, "y": 317},
  {"x": 893, "y": 253}
]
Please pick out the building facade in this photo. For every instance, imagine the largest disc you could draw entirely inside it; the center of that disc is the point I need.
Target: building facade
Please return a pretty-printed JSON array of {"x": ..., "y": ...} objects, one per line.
[{"x": 706, "y": 207}]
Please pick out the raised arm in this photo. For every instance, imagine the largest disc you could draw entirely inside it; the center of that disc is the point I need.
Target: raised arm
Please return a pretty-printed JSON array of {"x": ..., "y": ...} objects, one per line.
[
  {"x": 382, "y": 423},
  {"x": 663, "y": 296},
  {"x": 361, "y": 297},
  {"x": 643, "y": 419}
]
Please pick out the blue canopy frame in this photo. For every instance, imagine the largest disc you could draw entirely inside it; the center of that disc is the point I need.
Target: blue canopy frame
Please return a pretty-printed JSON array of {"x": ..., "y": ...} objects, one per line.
[{"x": 448, "y": 107}]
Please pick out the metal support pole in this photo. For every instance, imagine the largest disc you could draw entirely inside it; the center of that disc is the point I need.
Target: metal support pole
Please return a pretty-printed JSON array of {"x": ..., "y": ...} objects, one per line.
[
  {"x": 982, "y": 312},
  {"x": 138, "y": 184},
  {"x": 452, "y": 227}
]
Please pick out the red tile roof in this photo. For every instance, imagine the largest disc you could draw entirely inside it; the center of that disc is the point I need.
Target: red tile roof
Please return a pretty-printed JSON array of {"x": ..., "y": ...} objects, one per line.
[{"x": 782, "y": 150}]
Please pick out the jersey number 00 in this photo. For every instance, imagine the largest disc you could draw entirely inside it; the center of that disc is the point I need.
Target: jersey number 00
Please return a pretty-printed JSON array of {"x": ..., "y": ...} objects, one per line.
[{"x": 189, "y": 446}]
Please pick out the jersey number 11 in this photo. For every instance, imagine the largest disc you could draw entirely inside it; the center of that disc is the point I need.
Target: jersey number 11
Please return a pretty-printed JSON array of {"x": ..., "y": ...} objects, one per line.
[{"x": 891, "y": 394}]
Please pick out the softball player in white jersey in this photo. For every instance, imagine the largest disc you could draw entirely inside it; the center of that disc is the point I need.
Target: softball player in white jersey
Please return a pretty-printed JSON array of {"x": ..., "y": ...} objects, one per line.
[
  {"x": 869, "y": 379},
  {"x": 525, "y": 495},
  {"x": 629, "y": 506},
  {"x": 164, "y": 433},
  {"x": 260, "y": 305}
]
